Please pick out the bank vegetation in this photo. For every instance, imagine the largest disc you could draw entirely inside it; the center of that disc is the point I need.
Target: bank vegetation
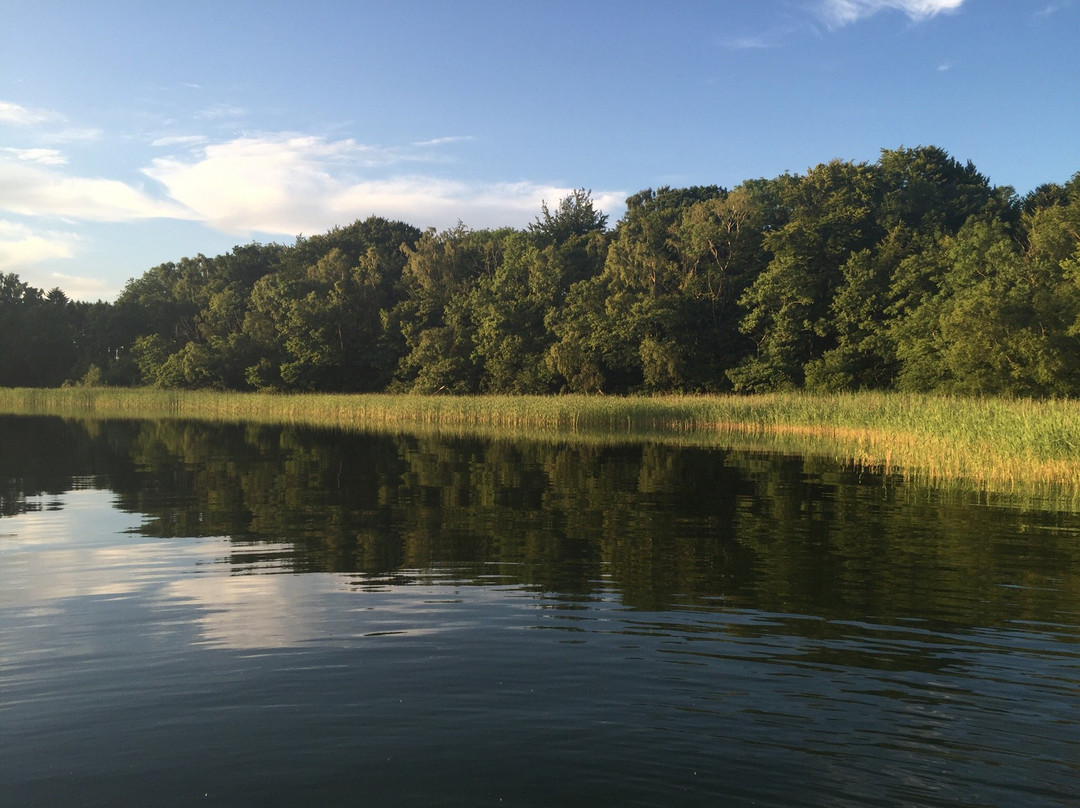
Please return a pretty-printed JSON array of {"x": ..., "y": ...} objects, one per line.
[{"x": 998, "y": 445}]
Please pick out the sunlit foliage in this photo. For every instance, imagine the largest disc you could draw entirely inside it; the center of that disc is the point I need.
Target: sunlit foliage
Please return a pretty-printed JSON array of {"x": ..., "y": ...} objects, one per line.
[{"x": 911, "y": 273}]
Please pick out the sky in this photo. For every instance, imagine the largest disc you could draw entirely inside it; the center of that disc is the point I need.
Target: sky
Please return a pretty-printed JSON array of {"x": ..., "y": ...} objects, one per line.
[{"x": 137, "y": 133}]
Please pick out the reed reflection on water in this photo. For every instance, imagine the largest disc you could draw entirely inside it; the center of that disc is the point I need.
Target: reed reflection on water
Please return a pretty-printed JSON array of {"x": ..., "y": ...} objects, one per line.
[{"x": 260, "y": 615}]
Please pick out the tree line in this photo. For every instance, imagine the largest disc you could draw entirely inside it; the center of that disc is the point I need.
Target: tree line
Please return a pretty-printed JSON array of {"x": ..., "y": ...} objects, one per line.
[{"x": 911, "y": 273}]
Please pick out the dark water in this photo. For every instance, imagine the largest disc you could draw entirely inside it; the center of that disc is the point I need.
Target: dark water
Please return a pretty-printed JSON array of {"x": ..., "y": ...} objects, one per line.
[{"x": 195, "y": 615}]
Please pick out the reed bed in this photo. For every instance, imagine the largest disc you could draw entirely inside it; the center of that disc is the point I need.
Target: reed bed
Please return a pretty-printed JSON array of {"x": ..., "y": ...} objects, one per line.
[{"x": 993, "y": 444}]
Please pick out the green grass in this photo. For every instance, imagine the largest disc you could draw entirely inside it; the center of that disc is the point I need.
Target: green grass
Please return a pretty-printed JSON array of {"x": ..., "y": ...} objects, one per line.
[{"x": 992, "y": 444}]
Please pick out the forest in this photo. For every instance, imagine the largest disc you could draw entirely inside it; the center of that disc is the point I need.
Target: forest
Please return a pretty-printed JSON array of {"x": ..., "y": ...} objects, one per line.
[{"x": 911, "y": 273}]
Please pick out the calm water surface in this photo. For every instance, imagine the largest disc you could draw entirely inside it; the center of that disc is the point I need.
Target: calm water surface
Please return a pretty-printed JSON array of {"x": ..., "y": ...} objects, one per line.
[{"x": 198, "y": 615}]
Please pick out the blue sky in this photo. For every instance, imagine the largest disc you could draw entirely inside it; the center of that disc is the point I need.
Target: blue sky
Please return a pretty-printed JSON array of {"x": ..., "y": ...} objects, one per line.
[{"x": 134, "y": 133}]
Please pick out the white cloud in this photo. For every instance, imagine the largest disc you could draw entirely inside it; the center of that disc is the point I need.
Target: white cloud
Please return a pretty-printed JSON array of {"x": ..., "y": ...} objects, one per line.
[
  {"x": 58, "y": 133},
  {"x": 289, "y": 184},
  {"x": 47, "y": 157},
  {"x": 70, "y": 135},
  {"x": 270, "y": 185},
  {"x": 25, "y": 116},
  {"x": 278, "y": 184},
  {"x": 442, "y": 141},
  {"x": 32, "y": 191},
  {"x": 844, "y": 12},
  {"x": 179, "y": 140},
  {"x": 79, "y": 287},
  {"x": 428, "y": 201},
  {"x": 20, "y": 246},
  {"x": 220, "y": 111}
]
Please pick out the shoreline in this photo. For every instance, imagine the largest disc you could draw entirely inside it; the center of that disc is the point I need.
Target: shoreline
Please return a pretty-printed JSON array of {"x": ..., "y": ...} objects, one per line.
[{"x": 996, "y": 445}]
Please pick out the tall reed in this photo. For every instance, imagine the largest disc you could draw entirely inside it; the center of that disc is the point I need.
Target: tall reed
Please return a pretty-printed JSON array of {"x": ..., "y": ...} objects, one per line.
[{"x": 992, "y": 443}]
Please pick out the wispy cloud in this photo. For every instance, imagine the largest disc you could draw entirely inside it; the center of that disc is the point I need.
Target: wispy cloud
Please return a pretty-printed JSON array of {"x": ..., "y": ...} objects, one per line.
[
  {"x": 20, "y": 245},
  {"x": 277, "y": 183},
  {"x": 179, "y": 140},
  {"x": 442, "y": 141},
  {"x": 221, "y": 111},
  {"x": 32, "y": 190},
  {"x": 838, "y": 13},
  {"x": 49, "y": 127},
  {"x": 1050, "y": 9},
  {"x": 70, "y": 135},
  {"x": 288, "y": 183},
  {"x": 48, "y": 157},
  {"x": 25, "y": 116},
  {"x": 761, "y": 42}
]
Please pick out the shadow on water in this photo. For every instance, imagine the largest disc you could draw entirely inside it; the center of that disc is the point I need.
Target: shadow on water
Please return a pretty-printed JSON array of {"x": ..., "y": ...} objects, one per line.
[
  {"x": 664, "y": 526},
  {"x": 272, "y": 615}
]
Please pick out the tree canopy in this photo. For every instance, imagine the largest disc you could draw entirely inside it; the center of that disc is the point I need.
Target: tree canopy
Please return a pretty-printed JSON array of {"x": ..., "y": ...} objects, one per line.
[{"x": 912, "y": 272}]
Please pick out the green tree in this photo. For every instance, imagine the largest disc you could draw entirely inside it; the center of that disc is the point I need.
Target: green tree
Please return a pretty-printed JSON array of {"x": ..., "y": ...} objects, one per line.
[
  {"x": 37, "y": 335},
  {"x": 831, "y": 216},
  {"x": 998, "y": 323},
  {"x": 575, "y": 216},
  {"x": 638, "y": 326},
  {"x": 512, "y": 308},
  {"x": 435, "y": 318}
]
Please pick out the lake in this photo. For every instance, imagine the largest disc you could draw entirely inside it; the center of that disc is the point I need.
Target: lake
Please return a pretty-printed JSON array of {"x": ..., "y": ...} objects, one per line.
[{"x": 221, "y": 615}]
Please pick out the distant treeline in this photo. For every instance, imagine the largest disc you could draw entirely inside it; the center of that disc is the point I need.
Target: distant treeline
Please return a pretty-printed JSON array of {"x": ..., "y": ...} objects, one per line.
[{"x": 910, "y": 273}]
